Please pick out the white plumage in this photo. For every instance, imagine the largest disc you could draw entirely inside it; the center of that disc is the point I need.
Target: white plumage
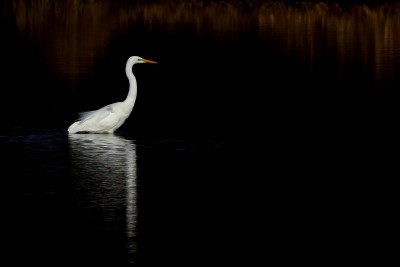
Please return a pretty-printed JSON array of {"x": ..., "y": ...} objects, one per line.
[{"x": 109, "y": 118}]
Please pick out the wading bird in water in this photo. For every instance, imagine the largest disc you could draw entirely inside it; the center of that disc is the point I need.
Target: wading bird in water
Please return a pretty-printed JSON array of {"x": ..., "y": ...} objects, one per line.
[{"x": 109, "y": 118}]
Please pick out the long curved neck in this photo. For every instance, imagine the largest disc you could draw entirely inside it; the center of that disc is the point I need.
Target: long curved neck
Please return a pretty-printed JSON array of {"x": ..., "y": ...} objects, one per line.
[{"x": 131, "y": 98}]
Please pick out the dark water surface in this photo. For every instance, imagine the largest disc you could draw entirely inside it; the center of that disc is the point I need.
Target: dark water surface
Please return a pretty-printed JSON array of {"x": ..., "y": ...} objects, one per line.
[{"x": 268, "y": 131}]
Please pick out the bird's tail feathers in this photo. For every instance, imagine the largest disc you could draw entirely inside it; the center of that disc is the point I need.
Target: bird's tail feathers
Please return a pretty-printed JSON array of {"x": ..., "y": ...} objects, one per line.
[{"x": 84, "y": 115}]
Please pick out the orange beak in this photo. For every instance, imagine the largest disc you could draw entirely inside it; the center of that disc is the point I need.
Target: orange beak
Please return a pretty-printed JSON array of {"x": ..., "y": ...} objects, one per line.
[{"x": 149, "y": 61}]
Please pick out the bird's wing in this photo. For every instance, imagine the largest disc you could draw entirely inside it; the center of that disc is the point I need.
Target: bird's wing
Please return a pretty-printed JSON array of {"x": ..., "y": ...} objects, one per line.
[
  {"x": 97, "y": 115},
  {"x": 103, "y": 119},
  {"x": 84, "y": 115}
]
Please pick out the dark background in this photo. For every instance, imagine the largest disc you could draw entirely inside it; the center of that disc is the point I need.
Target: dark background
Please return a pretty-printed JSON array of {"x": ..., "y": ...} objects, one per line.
[{"x": 244, "y": 154}]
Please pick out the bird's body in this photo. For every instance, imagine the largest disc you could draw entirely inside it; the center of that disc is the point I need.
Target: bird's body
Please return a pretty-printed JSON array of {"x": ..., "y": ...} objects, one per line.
[
  {"x": 109, "y": 118},
  {"x": 104, "y": 120}
]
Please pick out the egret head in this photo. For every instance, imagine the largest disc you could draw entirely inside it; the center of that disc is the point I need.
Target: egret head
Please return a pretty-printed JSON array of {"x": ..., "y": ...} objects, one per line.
[{"x": 136, "y": 59}]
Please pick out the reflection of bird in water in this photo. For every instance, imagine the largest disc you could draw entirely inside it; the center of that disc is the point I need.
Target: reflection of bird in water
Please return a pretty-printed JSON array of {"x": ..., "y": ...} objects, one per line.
[
  {"x": 109, "y": 118},
  {"x": 104, "y": 182}
]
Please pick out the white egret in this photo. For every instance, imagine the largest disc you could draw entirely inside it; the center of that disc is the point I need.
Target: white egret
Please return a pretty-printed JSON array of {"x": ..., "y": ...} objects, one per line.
[{"x": 109, "y": 118}]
